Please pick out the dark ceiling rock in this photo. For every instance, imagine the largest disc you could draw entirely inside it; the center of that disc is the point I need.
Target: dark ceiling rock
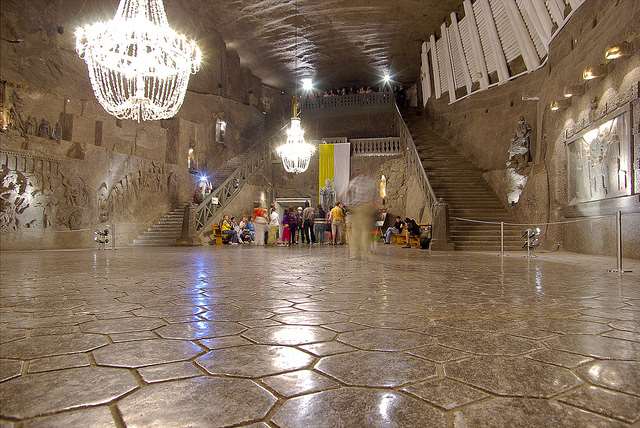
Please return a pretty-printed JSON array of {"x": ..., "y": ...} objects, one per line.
[{"x": 341, "y": 42}]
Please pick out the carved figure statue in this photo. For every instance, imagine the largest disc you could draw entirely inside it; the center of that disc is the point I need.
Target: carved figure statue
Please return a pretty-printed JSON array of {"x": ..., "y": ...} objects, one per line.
[
  {"x": 43, "y": 128},
  {"x": 29, "y": 127},
  {"x": 519, "y": 156},
  {"x": 56, "y": 133},
  {"x": 327, "y": 195},
  {"x": 520, "y": 148}
]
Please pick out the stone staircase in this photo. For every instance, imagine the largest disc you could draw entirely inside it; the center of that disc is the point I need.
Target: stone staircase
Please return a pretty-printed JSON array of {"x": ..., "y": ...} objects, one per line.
[
  {"x": 165, "y": 232},
  {"x": 462, "y": 186}
]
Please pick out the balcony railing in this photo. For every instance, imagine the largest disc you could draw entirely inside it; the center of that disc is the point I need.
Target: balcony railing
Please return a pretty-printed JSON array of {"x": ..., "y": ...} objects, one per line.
[
  {"x": 389, "y": 146},
  {"x": 334, "y": 102}
]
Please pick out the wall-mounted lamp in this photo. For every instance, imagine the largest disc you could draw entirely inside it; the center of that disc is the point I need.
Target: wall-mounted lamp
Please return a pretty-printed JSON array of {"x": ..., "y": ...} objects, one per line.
[
  {"x": 593, "y": 72},
  {"x": 559, "y": 104},
  {"x": 618, "y": 51},
  {"x": 573, "y": 90}
]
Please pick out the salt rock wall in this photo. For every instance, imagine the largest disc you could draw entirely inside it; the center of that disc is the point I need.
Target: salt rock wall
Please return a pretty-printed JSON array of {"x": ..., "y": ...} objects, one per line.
[
  {"x": 482, "y": 125},
  {"x": 68, "y": 167}
]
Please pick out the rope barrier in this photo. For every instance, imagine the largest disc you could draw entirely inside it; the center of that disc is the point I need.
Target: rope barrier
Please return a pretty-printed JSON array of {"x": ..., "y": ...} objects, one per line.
[{"x": 470, "y": 220}]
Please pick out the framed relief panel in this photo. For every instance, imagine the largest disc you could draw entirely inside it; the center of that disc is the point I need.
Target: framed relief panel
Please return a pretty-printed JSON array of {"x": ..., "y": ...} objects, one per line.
[{"x": 599, "y": 160}]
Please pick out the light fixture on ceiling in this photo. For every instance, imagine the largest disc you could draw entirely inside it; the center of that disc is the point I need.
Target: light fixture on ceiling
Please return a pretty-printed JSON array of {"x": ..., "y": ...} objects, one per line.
[
  {"x": 593, "y": 72},
  {"x": 555, "y": 106},
  {"x": 307, "y": 84},
  {"x": 295, "y": 152},
  {"x": 386, "y": 77},
  {"x": 573, "y": 90},
  {"x": 139, "y": 67},
  {"x": 618, "y": 51}
]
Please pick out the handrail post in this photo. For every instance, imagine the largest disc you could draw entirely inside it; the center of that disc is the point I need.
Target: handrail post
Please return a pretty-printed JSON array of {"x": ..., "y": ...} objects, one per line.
[
  {"x": 502, "y": 238},
  {"x": 619, "y": 246}
]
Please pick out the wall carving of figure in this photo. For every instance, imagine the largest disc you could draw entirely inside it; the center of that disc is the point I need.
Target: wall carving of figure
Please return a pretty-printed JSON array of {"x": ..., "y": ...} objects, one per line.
[{"x": 518, "y": 161}]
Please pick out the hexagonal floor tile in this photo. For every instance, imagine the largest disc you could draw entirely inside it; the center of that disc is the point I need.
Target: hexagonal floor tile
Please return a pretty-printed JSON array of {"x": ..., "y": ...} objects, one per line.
[
  {"x": 372, "y": 368},
  {"x": 200, "y": 401},
  {"x": 99, "y": 417},
  {"x": 311, "y": 318},
  {"x": 607, "y": 403},
  {"x": 200, "y": 330},
  {"x": 37, "y": 394},
  {"x": 236, "y": 314},
  {"x": 513, "y": 376},
  {"x": 44, "y": 346},
  {"x": 528, "y": 412},
  {"x": 390, "y": 321},
  {"x": 621, "y": 376},
  {"x": 445, "y": 393},
  {"x": 289, "y": 335},
  {"x": 597, "y": 346},
  {"x": 254, "y": 360},
  {"x": 355, "y": 407},
  {"x": 488, "y": 343},
  {"x": 299, "y": 382},
  {"x": 385, "y": 339},
  {"x": 121, "y": 325},
  {"x": 146, "y": 352}
]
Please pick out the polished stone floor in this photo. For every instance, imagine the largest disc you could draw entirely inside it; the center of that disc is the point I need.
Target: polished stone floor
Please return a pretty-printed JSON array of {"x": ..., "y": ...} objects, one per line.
[{"x": 307, "y": 338}]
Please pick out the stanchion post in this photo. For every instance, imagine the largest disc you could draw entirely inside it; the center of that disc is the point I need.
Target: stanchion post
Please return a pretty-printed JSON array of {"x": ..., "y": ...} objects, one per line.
[
  {"x": 113, "y": 236},
  {"x": 502, "y": 238},
  {"x": 619, "y": 254}
]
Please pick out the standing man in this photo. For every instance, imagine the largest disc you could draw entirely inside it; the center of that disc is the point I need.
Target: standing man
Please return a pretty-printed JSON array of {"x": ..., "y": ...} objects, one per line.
[
  {"x": 361, "y": 198},
  {"x": 308, "y": 216},
  {"x": 336, "y": 218}
]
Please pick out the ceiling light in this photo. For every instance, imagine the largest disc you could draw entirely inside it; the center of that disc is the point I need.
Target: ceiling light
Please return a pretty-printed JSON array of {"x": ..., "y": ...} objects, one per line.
[
  {"x": 560, "y": 104},
  {"x": 555, "y": 106},
  {"x": 592, "y": 72},
  {"x": 307, "y": 84},
  {"x": 617, "y": 51},
  {"x": 139, "y": 67},
  {"x": 386, "y": 78}
]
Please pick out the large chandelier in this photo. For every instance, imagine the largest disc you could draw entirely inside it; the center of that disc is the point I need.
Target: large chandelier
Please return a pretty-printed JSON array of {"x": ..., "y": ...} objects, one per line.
[
  {"x": 295, "y": 153},
  {"x": 139, "y": 67}
]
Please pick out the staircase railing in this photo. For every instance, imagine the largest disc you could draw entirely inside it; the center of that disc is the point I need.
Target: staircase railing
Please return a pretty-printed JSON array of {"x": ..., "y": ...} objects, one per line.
[
  {"x": 437, "y": 208},
  {"x": 388, "y": 146},
  {"x": 414, "y": 163},
  {"x": 260, "y": 156}
]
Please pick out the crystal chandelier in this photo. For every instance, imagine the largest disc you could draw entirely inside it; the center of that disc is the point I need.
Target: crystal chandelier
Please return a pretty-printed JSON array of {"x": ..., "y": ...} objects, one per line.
[
  {"x": 139, "y": 67},
  {"x": 295, "y": 153}
]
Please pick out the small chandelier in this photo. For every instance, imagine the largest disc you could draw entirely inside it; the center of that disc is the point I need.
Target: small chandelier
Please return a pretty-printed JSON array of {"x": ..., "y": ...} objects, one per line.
[
  {"x": 138, "y": 66},
  {"x": 295, "y": 153}
]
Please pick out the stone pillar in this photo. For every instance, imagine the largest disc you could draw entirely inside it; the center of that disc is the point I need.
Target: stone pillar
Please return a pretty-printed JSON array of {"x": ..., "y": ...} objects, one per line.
[
  {"x": 188, "y": 237},
  {"x": 440, "y": 231}
]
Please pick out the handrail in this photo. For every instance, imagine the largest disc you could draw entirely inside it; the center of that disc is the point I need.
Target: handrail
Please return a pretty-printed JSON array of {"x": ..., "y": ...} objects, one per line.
[
  {"x": 414, "y": 163},
  {"x": 321, "y": 102},
  {"x": 386, "y": 146}
]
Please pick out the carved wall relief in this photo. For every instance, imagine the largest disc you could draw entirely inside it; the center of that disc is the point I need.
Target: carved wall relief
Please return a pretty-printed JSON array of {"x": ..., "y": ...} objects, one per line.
[
  {"x": 35, "y": 194},
  {"x": 599, "y": 160}
]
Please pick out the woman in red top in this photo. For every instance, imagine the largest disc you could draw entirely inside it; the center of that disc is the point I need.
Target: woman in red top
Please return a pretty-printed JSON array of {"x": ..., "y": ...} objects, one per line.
[{"x": 260, "y": 221}]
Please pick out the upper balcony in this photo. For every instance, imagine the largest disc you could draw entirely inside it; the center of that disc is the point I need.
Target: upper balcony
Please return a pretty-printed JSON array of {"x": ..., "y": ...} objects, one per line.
[{"x": 331, "y": 103}]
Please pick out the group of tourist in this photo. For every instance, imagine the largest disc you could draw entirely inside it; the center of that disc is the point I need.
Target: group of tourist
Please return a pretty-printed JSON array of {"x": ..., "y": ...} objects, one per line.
[
  {"x": 306, "y": 225},
  {"x": 351, "y": 90}
]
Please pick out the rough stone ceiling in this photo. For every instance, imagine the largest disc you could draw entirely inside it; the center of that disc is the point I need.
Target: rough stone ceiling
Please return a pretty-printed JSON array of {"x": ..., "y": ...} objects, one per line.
[{"x": 340, "y": 41}]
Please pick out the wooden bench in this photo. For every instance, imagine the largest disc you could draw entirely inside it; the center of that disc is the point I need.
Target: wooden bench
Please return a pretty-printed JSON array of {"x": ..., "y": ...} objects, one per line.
[
  {"x": 216, "y": 235},
  {"x": 413, "y": 240}
]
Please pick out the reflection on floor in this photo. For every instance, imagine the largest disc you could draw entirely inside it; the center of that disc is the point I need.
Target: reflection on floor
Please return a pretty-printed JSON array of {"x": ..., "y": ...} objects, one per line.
[{"x": 305, "y": 337}]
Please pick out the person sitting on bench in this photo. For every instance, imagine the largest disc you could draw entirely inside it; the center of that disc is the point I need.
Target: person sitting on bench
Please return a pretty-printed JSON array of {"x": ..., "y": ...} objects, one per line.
[
  {"x": 413, "y": 229},
  {"x": 396, "y": 229},
  {"x": 228, "y": 232}
]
